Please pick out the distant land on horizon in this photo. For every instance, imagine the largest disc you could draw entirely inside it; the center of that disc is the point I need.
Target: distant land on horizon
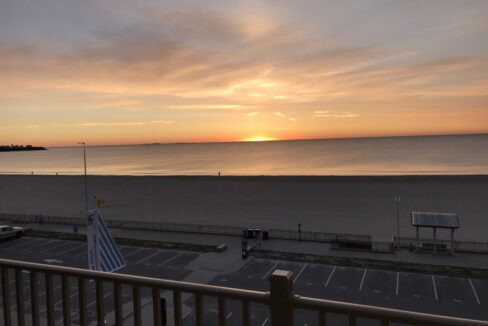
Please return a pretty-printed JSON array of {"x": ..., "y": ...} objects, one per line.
[{"x": 19, "y": 148}]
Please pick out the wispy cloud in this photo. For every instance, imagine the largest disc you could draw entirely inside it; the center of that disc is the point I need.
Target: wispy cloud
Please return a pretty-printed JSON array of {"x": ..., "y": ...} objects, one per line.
[
  {"x": 127, "y": 123},
  {"x": 328, "y": 114},
  {"x": 279, "y": 114}
]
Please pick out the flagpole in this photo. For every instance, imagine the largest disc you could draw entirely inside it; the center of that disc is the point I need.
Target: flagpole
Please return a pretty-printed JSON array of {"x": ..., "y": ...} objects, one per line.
[{"x": 86, "y": 179}]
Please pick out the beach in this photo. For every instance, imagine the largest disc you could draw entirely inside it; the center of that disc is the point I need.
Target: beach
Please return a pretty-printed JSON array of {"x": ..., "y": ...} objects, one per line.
[{"x": 363, "y": 205}]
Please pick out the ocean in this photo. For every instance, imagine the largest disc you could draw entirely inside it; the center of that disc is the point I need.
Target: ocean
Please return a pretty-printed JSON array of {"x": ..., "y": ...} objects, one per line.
[{"x": 420, "y": 155}]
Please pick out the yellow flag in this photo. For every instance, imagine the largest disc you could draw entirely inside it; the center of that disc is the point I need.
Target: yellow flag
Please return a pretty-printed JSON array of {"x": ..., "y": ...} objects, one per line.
[{"x": 100, "y": 202}]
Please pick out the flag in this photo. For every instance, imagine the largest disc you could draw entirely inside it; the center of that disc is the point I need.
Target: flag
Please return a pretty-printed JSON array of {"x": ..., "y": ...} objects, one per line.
[
  {"x": 100, "y": 202},
  {"x": 103, "y": 253}
]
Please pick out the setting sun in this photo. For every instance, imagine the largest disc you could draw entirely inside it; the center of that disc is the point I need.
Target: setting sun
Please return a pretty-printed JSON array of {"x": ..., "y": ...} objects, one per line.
[{"x": 258, "y": 138}]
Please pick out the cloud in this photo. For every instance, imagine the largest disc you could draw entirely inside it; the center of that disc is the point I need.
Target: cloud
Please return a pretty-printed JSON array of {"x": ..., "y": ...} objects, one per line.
[
  {"x": 126, "y": 123},
  {"x": 328, "y": 114},
  {"x": 252, "y": 114},
  {"x": 279, "y": 114}
]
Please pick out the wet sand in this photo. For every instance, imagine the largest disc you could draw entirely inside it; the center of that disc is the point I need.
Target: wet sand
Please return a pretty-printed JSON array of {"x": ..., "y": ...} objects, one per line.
[{"x": 362, "y": 205}]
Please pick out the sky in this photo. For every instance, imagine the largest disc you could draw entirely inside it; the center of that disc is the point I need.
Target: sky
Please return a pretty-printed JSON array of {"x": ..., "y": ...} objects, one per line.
[{"x": 128, "y": 72}]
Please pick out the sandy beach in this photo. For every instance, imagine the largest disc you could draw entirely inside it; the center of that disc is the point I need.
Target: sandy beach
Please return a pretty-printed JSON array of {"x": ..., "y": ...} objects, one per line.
[{"x": 362, "y": 205}]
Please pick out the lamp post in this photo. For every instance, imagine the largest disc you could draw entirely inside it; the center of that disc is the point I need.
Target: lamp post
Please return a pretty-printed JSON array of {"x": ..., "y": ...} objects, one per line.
[
  {"x": 397, "y": 201},
  {"x": 86, "y": 182}
]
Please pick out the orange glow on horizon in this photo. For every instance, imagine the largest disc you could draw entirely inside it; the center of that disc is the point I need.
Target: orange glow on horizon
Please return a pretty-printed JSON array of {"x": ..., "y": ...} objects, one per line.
[{"x": 258, "y": 139}]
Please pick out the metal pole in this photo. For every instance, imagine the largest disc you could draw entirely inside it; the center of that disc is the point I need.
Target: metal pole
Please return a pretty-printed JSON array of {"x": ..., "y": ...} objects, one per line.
[
  {"x": 86, "y": 179},
  {"x": 397, "y": 200}
]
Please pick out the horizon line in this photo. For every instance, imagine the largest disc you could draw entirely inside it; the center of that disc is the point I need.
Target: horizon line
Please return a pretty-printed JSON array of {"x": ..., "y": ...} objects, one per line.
[{"x": 277, "y": 140}]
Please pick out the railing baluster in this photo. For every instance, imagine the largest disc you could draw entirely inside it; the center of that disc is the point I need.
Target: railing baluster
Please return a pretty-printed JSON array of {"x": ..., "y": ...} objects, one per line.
[
  {"x": 6, "y": 297},
  {"x": 177, "y": 307},
  {"x": 34, "y": 299},
  {"x": 118, "y": 304},
  {"x": 136, "y": 297},
  {"x": 49, "y": 298},
  {"x": 20, "y": 297},
  {"x": 66, "y": 304},
  {"x": 156, "y": 297},
  {"x": 198, "y": 310},
  {"x": 221, "y": 311},
  {"x": 82, "y": 300},
  {"x": 322, "y": 318},
  {"x": 245, "y": 313},
  {"x": 100, "y": 310},
  {"x": 352, "y": 320}
]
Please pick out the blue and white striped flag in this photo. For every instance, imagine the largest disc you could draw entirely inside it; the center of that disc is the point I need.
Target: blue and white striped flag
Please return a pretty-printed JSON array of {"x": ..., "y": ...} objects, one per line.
[{"x": 103, "y": 253}]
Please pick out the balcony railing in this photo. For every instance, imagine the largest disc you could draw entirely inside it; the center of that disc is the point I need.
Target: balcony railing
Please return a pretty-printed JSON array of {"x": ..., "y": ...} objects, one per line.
[{"x": 280, "y": 300}]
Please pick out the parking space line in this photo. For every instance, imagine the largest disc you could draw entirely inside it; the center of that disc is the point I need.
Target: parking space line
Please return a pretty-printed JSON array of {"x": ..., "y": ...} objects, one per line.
[
  {"x": 95, "y": 301},
  {"x": 21, "y": 244},
  {"x": 136, "y": 251},
  {"x": 168, "y": 260},
  {"x": 300, "y": 272},
  {"x": 270, "y": 270},
  {"x": 42, "y": 244},
  {"x": 49, "y": 249},
  {"x": 330, "y": 276},
  {"x": 265, "y": 322},
  {"x": 435, "y": 289},
  {"x": 82, "y": 254},
  {"x": 143, "y": 259},
  {"x": 398, "y": 282},
  {"x": 228, "y": 316},
  {"x": 474, "y": 291},
  {"x": 75, "y": 248},
  {"x": 362, "y": 280}
]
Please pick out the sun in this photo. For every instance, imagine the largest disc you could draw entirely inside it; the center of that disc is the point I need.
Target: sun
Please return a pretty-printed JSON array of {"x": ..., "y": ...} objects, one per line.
[{"x": 258, "y": 138}]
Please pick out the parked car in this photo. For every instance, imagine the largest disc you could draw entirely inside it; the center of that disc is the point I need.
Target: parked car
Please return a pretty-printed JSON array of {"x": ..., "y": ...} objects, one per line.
[{"x": 10, "y": 232}]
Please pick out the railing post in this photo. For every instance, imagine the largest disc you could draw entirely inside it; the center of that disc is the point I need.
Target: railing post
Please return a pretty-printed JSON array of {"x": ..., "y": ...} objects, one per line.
[{"x": 281, "y": 294}]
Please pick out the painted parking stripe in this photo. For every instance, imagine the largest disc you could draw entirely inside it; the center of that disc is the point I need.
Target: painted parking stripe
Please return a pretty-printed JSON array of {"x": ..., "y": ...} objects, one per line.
[
  {"x": 150, "y": 256},
  {"x": 168, "y": 260},
  {"x": 136, "y": 251},
  {"x": 41, "y": 245},
  {"x": 397, "y": 282},
  {"x": 229, "y": 315},
  {"x": 474, "y": 291},
  {"x": 362, "y": 280},
  {"x": 300, "y": 273},
  {"x": 21, "y": 243},
  {"x": 330, "y": 276},
  {"x": 265, "y": 322},
  {"x": 62, "y": 243},
  {"x": 72, "y": 249},
  {"x": 435, "y": 289},
  {"x": 270, "y": 270}
]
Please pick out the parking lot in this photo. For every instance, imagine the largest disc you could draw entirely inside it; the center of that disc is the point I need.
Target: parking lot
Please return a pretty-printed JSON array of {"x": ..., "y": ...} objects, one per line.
[
  {"x": 148, "y": 262},
  {"x": 461, "y": 297}
]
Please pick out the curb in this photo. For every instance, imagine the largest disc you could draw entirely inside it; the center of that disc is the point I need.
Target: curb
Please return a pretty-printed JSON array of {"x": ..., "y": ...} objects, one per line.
[{"x": 129, "y": 242}]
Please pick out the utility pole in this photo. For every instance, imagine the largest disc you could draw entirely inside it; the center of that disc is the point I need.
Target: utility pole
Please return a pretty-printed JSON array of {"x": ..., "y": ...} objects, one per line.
[{"x": 86, "y": 179}]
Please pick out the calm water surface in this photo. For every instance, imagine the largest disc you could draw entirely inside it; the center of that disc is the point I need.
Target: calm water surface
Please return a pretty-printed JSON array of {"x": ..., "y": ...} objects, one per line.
[{"x": 362, "y": 156}]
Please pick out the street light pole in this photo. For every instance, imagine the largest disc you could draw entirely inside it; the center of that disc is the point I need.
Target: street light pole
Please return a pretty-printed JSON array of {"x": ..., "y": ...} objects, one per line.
[
  {"x": 86, "y": 181},
  {"x": 397, "y": 200}
]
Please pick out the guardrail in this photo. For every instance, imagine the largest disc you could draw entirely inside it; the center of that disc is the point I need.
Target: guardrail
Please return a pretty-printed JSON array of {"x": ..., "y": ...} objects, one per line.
[
  {"x": 427, "y": 244},
  {"x": 280, "y": 300},
  {"x": 192, "y": 228}
]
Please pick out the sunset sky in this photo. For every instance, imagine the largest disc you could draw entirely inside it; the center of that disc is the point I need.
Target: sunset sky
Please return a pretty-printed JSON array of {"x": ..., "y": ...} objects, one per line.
[{"x": 125, "y": 72}]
